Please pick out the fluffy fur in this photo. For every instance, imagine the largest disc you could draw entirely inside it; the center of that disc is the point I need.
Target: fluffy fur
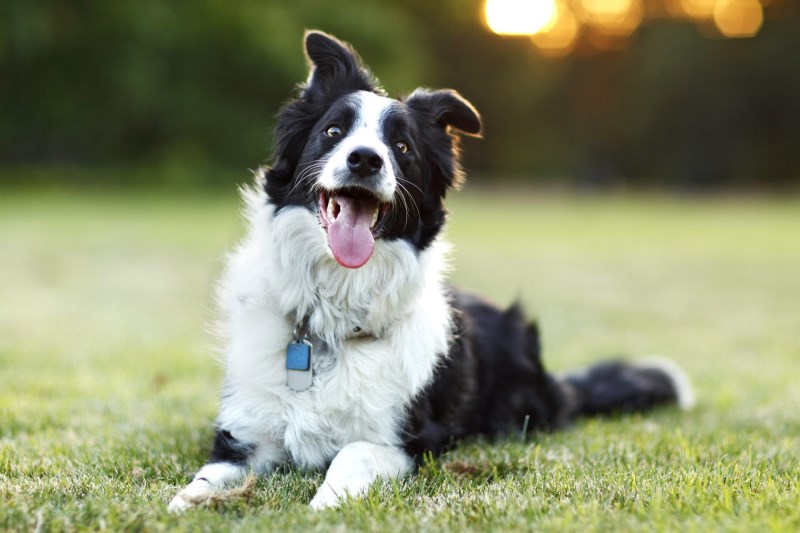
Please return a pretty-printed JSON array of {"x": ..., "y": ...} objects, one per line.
[{"x": 344, "y": 240}]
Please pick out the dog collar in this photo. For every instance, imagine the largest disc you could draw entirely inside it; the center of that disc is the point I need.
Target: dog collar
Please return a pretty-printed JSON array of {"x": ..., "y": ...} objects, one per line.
[
  {"x": 299, "y": 354},
  {"x": 359, "y": 333}
]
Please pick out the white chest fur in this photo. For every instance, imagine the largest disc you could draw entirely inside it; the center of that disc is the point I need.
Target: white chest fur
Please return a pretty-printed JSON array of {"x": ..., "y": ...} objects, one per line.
[{"x": 282, "y": 272}]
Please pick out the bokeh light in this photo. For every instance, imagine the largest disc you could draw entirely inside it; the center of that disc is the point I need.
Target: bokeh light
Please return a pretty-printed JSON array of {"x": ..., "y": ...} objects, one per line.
[
  {"x": 556, "y": 27},
  {"x": 698, "y": 9},
  {"x": 613, "y": 17},
  {"x": 562, "y": 36},
  {"x": 738, "y": 18},
  {"x": 519, "y": 17}
]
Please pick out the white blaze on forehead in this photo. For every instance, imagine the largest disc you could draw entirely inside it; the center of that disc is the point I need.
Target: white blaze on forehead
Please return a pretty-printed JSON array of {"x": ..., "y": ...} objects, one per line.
[
  {"x": 367, "y": 132},
  {"x": 370, "y": 112}
]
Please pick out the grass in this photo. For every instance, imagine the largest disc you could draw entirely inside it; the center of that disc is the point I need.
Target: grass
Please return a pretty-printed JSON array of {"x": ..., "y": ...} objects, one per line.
[{"x": 108, "y": 384}]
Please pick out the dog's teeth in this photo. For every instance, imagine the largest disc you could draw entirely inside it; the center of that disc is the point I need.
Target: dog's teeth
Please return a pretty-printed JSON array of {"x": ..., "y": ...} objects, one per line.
[
  {"x": 374, "y": 219},
  {"x": 331, "y": 209}
]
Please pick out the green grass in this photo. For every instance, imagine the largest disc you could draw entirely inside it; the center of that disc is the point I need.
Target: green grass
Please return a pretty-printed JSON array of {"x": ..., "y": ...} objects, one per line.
[{"x": 108, "y": 382}]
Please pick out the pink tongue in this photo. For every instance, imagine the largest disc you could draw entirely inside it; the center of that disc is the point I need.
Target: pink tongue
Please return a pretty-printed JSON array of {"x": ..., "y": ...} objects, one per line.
[{"x": 349, "y": 236}]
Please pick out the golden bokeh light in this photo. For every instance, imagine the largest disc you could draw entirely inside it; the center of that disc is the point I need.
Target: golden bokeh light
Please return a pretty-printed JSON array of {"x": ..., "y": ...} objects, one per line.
[
  {"x": 617, "y": 18},
  {"x": 562, "y": 36},
  {"x": 557, "y": 26},
  {"x": 519, "y": 17},
  {"x": 738, "y": 18},
  {"x": 699, "y": 9}
]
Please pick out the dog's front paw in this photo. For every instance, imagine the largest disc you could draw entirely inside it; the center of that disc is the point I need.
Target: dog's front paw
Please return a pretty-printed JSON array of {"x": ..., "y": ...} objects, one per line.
[
  {"x": 326, "y": 498},
  {"x": 178, "y": 504},
  {"x": 197, "y": 492}
]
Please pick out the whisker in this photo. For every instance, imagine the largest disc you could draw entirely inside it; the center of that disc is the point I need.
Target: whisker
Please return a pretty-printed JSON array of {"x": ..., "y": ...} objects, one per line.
[
  {"x": 403, "y": 188},
  {"x": 405, "y": 206},
  {"x": 410, "y": 197},
  {"x": 411, "y": 183},
  {"x": 403, "y": 192},
  {"x": 309, "y": 170}
]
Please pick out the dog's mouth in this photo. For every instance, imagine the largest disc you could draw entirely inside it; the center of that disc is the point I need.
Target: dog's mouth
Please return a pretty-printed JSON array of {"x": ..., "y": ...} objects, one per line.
[{"x": 353, "y": 219}]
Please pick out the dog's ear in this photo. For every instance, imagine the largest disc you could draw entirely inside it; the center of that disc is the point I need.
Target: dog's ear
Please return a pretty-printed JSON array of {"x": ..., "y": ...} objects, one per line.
[
  {"x": 447, "y": 108},
  {"x": 335, "y": 68},
  {"x": 441, "y": 115}
]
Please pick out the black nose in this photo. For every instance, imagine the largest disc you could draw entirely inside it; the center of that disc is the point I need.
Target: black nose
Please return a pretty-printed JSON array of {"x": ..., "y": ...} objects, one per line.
[{"x": 364, "y": 161}]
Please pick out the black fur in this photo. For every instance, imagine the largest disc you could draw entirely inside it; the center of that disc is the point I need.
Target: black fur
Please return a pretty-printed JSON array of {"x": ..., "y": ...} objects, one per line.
[
  {"x": 618, "y": 386},
  {"x": 227, "y": 449},
  {"x": 492, "y": 383}
]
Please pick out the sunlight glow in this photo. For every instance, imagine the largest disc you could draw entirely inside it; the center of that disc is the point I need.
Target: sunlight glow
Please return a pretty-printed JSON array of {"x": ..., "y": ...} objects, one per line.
[
  {"x": 562, "y": 36},
  {"x": 559, "y": 27},
  {"x": 738, "y": 18},
  {"x": 698, "y": 9},
  {"x": 519, "y": 17},
  {"x": 617, "y": 18}
]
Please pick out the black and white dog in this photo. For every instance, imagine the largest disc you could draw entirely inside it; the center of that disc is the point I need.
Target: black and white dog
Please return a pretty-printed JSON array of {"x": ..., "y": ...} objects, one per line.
[{"x": 345, "y": 347}]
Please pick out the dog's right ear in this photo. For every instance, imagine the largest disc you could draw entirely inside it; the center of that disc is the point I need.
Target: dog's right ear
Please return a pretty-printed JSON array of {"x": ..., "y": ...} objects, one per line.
[{"x": 336, "y": 68}]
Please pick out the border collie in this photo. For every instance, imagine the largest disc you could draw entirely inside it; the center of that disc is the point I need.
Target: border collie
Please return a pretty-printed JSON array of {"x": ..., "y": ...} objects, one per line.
[{"x": 345, "y": 349}]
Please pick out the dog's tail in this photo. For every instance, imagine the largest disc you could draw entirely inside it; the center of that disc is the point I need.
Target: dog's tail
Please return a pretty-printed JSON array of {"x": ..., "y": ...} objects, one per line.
[{"x": 625, "y": 387}]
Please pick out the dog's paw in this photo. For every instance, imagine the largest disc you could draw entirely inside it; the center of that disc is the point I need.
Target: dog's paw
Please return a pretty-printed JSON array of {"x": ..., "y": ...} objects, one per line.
[
  {"x": 326, "y": 498},
  {"x": 197, "y": 492},
  {"x": 179, "y": 505}
]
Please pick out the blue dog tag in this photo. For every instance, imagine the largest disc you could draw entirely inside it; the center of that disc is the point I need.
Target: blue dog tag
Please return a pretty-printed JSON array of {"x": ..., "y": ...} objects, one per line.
[
  {"x": 298, "y": 365},
  {"x": 298, "y": 356}
]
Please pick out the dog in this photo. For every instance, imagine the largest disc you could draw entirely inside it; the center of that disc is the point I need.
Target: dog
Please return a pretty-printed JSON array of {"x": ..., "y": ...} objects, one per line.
[{"x": 345, "y": 347}]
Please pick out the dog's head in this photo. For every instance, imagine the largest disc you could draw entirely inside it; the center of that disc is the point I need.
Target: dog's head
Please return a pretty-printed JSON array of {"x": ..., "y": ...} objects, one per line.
[{"x": 370, "y": 167}]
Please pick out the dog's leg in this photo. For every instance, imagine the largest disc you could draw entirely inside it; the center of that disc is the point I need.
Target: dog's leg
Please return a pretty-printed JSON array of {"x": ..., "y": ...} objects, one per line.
[
  {"x": 355, "y": 468},
  {"x": 229, "y": 463}
]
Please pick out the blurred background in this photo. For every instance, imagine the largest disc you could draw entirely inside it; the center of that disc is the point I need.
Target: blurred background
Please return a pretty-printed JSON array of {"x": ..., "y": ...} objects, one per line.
[{"x": 688, "y": 95}]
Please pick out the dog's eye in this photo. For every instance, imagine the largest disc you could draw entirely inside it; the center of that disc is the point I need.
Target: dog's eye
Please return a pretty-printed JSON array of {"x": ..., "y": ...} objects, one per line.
[
  {"x": 402, "y": 146},
  {"x": 333, "y": 131}
]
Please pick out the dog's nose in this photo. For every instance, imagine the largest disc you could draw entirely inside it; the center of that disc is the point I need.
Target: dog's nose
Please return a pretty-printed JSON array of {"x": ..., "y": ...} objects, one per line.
[{"x": 364, "y": 161}]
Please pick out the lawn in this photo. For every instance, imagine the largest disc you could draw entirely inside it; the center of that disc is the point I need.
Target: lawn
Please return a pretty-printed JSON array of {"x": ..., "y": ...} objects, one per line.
[{"x": 108, "y": 382}]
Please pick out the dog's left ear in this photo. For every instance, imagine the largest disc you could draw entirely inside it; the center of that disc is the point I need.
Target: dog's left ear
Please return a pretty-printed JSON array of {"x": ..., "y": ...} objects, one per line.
[
  {"x": 335, "y": 68},
  {"x": 447, "y": 108}
]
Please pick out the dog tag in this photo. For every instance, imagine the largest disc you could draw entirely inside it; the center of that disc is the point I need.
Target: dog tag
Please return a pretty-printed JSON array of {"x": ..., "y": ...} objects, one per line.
[{"x": 298, "y": 365}]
